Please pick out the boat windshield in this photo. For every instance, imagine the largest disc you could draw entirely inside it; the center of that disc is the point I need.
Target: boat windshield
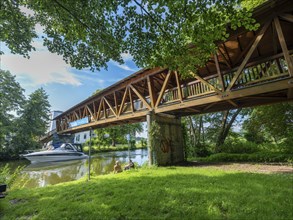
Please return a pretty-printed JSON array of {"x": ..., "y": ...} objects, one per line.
[{"x": 67, "y": 146}]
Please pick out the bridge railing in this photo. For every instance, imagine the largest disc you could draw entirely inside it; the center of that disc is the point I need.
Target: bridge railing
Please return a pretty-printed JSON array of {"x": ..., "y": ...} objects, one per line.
[
  {"x": 253, "y": 74},
  {"x": 259, "y": 72}
]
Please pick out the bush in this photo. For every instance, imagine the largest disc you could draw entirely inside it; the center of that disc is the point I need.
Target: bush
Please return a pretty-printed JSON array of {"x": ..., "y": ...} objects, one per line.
[
  {"x": 7, "y": 176},
  {"x": 267, "y": 157},
  {"x": 198, "y": 151},
  {"x": 239, "y": 145}
]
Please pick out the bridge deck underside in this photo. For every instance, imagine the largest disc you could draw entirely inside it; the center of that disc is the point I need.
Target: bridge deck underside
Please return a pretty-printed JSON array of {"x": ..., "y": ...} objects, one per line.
[{"x": 250, "y": 68}]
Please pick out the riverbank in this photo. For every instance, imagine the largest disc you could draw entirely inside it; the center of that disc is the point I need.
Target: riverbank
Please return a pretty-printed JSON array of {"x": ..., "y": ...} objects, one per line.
[
  {"x": 162, "y": 193},
  {"x": 102, "y": 149}
]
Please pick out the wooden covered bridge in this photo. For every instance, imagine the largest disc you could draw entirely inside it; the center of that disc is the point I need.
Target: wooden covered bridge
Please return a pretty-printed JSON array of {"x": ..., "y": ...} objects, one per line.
[{"x": 250, "y": 68}]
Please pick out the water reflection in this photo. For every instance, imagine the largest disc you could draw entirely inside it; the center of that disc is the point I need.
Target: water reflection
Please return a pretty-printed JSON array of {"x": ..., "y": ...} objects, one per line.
[{"x": 43, "y": 174}]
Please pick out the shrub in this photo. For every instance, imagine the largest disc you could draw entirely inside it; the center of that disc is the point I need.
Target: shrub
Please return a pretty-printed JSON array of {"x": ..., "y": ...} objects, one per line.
[
  {"x": 239, "y": 146},
  {"x": 198, "y": 151},
  {"x": 267, "y": 157},
  {"x": 7, "y": 176}
]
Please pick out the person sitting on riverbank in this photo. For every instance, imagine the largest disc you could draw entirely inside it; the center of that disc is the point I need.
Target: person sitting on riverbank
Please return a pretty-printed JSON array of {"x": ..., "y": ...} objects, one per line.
[
  {"x": 117, "y": 167},
  {"x": 129, "y": 166}
]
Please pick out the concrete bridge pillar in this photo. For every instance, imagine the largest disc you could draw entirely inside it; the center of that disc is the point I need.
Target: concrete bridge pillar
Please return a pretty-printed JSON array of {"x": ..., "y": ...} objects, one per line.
[{"x": 165, "y": 139}]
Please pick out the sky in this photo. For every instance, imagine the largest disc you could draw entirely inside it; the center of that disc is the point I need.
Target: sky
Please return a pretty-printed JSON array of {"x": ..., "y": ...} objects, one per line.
[{"x": 64, "y": 85}]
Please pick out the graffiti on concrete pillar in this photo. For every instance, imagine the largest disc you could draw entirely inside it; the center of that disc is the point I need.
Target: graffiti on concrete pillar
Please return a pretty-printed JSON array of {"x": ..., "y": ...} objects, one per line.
[{"x": 165, "y": 145}]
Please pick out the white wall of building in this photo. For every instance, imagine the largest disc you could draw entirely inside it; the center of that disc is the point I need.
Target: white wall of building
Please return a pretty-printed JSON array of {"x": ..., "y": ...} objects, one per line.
[
  {"x": 53, "y": 122},
  {"x": 82, "y": 137}
]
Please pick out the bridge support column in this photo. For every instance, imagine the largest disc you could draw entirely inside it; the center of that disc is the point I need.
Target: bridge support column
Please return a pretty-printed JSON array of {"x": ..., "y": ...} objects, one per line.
[{"x": 165, "y": 139}]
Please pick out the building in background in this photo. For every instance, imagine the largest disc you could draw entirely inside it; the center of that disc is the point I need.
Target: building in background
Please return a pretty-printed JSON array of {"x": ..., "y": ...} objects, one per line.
[
  {"x": 82, "y": 137},
  {"x": 54, "y": 114}
]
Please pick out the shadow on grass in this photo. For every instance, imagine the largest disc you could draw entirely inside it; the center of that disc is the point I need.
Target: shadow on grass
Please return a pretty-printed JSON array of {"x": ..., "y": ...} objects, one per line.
[{"x": 175, "y": 193}]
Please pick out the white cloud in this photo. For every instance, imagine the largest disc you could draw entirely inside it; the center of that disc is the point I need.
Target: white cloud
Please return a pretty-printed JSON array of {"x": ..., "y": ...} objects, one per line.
[
  {"x": 42, "y": 68},
  {"x": 85, "y": 76},
  {"x": 126, "y": 56},
  {"x": 123, "y": 66}
]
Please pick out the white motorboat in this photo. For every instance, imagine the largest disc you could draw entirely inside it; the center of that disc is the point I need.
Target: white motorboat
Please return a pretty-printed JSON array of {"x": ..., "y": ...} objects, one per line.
[{"x": 66, "y": 151}]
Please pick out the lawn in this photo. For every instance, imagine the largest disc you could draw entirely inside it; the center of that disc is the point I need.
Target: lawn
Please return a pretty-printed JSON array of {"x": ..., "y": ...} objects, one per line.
[{"x": 158, "y": 193}]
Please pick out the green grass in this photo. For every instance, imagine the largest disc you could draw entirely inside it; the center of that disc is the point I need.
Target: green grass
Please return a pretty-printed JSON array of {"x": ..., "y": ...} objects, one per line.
[{"x": 158, "y": 193}]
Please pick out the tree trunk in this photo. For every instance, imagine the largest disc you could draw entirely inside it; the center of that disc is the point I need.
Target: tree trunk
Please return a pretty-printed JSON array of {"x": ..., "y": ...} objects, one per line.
[
  {"x": 192, "y": 130},
  {"x": 225, "y": 128},
  {"x": 203, "y": 134},
  {"x": 199, "y": 130},
  {"x": 113, "y": 142}
]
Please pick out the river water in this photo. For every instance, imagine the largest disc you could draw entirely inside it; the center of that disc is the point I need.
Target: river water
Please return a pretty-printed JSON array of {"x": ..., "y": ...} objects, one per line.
[{"x": 43, "y": 174}]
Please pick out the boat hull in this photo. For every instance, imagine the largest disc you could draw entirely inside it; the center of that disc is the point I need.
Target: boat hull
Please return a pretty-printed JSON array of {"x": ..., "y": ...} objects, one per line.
[{"x": 60, "y": 156}]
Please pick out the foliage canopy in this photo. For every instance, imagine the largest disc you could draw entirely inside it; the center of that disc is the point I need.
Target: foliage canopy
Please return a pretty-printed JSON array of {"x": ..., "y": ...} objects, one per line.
[{"x": 179, "y": 34}]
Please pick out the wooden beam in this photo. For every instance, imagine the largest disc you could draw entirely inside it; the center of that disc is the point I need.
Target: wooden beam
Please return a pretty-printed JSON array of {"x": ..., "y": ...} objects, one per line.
[
  {"x": 95, "y": 111},
  {"x": 141, "y": 87},
  {"x": 219, "y": 73},
  {"x": 226, "y": 51},
  {"x": 274, "y": 43},
  {"x": 153, "y": 96},
  {"x": 194, "y": 110},
  {"x": 209, "y": 106},
  {"x": 248, "y": 55},
  {"x": 131, "y": 101},
  {"x": 123, "y": 101},
  {"x": 232, "y": 103},
  {"x": 100, "y": 108},
  {"x": 104, "y": 108},
  {"x": 287, "y": 17},
  {"x": 85, "y": 112},
  {"x": 163, "y": 88},
  {"x": 110, "y": 106},
  {"x": 115, "y": 101},
  {"x": 141, "y": 97},
  {"x": 284, "y": 45},
  {"x": 90, "y": 111},
  {"x": 76, "y": 115},
  {"x": 224, "y": 58},
  {"x": 290, "y": 93},
  {"x": 178, "y": 86},
  {"x": 263, "y": 97},
  {"x": 206, "y": 83},
  {"x": 161, "y": 79}
]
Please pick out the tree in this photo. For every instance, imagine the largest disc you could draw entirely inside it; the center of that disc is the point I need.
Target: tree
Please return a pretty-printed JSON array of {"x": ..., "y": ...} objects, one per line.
[
  {"x": 177, "y": 34},
  {"x": 274, "y": 122},
  {"x": 11, "y": 100},
  {"x": 17, "y": 28},
  {"x": 33, "y": 121},
  {"x": 228, "y": 119},
  {"x": 117, "y": 133},
  {"x": 211, "y": 129}
]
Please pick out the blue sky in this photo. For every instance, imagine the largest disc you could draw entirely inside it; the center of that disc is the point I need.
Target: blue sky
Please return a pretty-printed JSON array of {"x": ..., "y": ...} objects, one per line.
[{"x": 66, "y": 86}]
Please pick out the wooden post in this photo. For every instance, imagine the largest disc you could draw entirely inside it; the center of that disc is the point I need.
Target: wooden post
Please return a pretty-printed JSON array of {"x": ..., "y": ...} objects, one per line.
[
  {"x": 284, "y": 46},
  {"x": 219, "y": 73},
  {"x": 150, "y": 150},
  {"x": 90, "y": 148},
  {"x": 178, "y": 87},
  {"x": 248, "y": 55}
]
